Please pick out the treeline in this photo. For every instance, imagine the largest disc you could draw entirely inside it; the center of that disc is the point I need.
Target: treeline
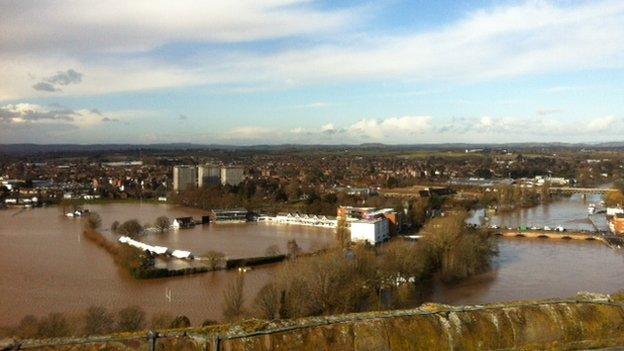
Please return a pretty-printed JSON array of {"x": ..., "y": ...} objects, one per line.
[
  {"x": 96, "y": 320},
  {"x": 273, "y": 197},
  {"x": 510, "y": 197},
  {"x": 135, "y": 261},
  {"x": 364, "y": 278},
  {"x": 269, "y": 200}
]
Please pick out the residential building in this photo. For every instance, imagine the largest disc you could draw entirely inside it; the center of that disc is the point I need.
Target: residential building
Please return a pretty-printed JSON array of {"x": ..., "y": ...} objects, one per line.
[
  {"x": 232, "y": 175},
  {"x": 614, "y": 211},
  {"x": 208, "y": 175},
  {"x": 183, "y": 222},
  {"x": 184, "y": 177},
  {"x": 351, "y": 214},
  {"x": 373, "y": 231}
]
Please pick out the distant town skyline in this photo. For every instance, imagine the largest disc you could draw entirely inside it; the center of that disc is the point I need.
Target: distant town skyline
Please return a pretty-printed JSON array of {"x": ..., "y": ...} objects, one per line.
[{"x": 311, "y": 72}]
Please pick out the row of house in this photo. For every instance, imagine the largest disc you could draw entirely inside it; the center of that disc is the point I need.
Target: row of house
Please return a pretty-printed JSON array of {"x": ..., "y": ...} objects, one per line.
[{"x": 301, "y": 219}]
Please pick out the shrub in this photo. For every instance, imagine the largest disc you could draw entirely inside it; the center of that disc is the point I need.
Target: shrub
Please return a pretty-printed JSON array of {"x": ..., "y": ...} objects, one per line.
[
  {"x": 28, "y": 327},
  {"x": 54, "y": 325},
  {"x": 94, "y": 220},
  {"x": 180, "y": 322},
  {"x": 131, "y": 228},
  {"x": 215, "y": 259},
  {"x": 162, "y": 223},
  {"x": 161, "y": 321},
  {"x": 131, "y": 319},
  {"x": 98, "y": 321}
]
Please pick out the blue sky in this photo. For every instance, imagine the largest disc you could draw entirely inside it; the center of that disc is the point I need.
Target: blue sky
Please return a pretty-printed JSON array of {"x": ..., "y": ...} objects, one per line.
[{"x": 295, "y": 71}]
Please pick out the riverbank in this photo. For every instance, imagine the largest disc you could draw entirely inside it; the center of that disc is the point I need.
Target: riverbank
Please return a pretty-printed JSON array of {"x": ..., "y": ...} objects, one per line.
[{"x": 587, "y": 321}]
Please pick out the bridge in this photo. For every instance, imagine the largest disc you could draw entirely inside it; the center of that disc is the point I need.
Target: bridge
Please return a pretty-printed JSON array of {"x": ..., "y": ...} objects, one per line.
[
  {"x": 548, "y": 234},
  {"x": 412, "y": 192},
  {"x": 571, "y": 190},
  {"x": 613, "y": 241}
]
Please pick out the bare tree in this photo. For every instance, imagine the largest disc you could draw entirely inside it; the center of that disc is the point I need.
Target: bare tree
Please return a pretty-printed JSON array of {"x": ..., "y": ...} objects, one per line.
[
  {"x": 54, "y": 325},
  {"x": 114, "y": 226},
  {"x": 98, "y": 321},
  {"x": 343, "y": 235},
  {"x": 28, "y": 327},
  {"x": 94, "y": 221},
  {"x": 162, "y": 223},
  {"x": 293, "y": 249},
  {"x": 161, "y": 321},
  {"x": 234, "y": 299},
  {"x": 214, "y": 258},
  {"x": 272, "y": 250},
  {"x": 267, "y": 302},
  {"x": 131, "y": 319},
  {"x": 180, "y": 322}
]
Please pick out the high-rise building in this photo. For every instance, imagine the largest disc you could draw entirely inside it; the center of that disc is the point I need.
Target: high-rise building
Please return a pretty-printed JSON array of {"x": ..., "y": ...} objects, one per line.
[
  {"x": 232, "y": 175},
  {"x": 208, "y": 175},
  {"x": 184, "y": 177}
]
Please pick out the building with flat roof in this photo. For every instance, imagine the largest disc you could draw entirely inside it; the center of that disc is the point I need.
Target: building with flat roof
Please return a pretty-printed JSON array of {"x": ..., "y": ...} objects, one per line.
[
  {"x": 184, "y": 177},
  {"x": 208, "y": 175},
  {"x": 232, "y": 175},
  {"x": 352, "y": 213},
  {"x": 229, "y": 215},
  {"x": 373, "y": 231}
]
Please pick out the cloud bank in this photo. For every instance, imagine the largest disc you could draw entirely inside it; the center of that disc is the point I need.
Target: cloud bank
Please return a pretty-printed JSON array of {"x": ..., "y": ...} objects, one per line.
[{"x": 116, "y": 44}]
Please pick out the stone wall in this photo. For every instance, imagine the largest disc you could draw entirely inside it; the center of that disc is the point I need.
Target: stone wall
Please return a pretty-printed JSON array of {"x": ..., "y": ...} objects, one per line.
[{"x": 585, "y": 322}]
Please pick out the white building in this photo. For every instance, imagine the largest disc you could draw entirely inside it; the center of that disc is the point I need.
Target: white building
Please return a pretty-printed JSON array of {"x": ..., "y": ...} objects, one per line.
[
  {"x": 612, "y": 211},
  {"x": 302, "y": 219},
  {"x": 372, "y": 230},
  {"x": 232, "y": 175},
  {"x": 184, "y": 177}
]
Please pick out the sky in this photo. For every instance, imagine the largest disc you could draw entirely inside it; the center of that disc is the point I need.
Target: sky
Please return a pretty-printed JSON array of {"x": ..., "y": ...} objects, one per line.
[{"x": 249, "y": 72}]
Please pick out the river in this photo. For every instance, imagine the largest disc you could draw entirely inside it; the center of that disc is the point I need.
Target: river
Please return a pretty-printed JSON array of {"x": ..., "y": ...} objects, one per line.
[{"x": 48, "y": 267}]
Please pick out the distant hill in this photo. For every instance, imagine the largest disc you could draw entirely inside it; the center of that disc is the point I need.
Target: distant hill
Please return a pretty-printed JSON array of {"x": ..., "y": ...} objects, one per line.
[{"x": 22, "y": 149}]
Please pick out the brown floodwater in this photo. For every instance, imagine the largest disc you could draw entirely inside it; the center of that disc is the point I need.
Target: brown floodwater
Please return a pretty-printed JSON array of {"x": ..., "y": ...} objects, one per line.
[{"x": 47, "y": 266}]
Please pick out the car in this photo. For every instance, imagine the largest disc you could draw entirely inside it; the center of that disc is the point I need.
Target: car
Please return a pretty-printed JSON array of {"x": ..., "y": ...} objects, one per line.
[
  {"x": 547, "y": 228},
  {"x": 534, "y": 228},
  {"x": 560, "y": 229}
]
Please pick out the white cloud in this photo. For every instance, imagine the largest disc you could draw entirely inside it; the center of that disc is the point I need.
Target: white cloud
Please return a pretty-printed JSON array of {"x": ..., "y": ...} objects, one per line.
[
  {"x": 533, "y": 37},
  {"x": 515, "y": 128},
  {"x": 248, "y": 133},
  {"x": 328, "y": 128},
  {"x": 600, "y": 124},
  {"x": 388, "y": 128},
  {"x": 54, "y": 114},
  {"x": 122, "y": 26}
]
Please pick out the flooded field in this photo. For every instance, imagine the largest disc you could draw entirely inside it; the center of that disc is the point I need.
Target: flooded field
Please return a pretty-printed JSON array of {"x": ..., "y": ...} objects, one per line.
[{"x": 48, "y": 267}]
